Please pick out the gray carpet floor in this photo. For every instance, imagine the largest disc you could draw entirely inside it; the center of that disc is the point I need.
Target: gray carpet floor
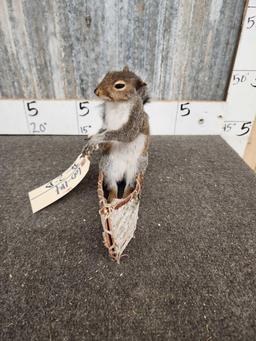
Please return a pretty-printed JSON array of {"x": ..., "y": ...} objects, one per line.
[{"x": 189, "y": 274}]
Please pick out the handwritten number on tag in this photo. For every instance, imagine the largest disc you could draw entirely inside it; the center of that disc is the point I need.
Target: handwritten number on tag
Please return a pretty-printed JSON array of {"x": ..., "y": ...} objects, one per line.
[
  {"x": 49, "y": 185},
  {"x": 61, "y": 187},
  {"x": 84, "y": 109},
  {"x": 32, "y": 110},
  {"x": 76, "y": 173},
  {"x": 185, "y": 109}
]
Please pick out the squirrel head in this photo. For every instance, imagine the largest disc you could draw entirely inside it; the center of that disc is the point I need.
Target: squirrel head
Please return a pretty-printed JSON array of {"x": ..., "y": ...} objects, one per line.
[{"x": 120, "y": 86}]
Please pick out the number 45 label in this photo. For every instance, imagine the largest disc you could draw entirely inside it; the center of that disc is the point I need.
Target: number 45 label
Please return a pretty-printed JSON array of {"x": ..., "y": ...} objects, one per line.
[{"x": 237, "y": 128}]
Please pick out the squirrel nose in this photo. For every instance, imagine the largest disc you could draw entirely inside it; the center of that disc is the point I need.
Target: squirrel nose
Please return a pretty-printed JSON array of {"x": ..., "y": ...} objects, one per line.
[{"x": 96, "y": 91}]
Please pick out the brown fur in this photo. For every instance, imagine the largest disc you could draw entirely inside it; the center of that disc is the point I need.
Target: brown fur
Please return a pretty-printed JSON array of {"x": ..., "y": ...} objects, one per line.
[
  {"x": 106, "y": 89},
  {"x": 123, "y": 86},
  {"x": 106, "y": 147}
]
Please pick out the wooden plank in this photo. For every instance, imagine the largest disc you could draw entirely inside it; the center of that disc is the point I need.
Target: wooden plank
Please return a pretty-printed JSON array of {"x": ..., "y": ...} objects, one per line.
[{"x": 59, "y": 49}]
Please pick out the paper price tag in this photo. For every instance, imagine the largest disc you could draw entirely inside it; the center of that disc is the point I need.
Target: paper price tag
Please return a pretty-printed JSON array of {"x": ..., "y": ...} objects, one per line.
[{"x": 60, "y": 186}]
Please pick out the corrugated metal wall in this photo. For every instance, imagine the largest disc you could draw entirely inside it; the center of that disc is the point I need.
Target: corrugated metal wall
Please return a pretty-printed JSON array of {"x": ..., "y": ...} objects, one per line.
[{"x": 60, "y": 48}]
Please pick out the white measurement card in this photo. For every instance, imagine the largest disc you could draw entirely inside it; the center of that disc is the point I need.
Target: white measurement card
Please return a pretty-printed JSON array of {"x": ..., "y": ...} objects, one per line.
[
  {"x": 89, "y": 116},
  {"x": 246, "y": 52},
  {"x": 12, "y": 118},
  {"x": 51, "y": 117},
  {"x": 162, "y": 115},
  {"x": 199, "y": 118}
]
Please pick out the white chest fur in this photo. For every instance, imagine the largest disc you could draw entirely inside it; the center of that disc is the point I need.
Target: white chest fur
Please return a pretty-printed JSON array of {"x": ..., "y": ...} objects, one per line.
[
  {"x": 122, "y": 161},
  {"x": 124, "y": 158},
  {"x": 116, "y": 114}
]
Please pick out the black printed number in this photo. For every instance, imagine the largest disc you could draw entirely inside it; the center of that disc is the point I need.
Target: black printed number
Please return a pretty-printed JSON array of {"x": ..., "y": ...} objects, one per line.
[
  {"x": 84, "y": 109},
  {"x": 251, "y": 22},
  {"x": 254, "y": 84},
  {"x": 185, "y": 109},
  {"x": 31, "y": 108},
  {"x": 245, "y": 128}
]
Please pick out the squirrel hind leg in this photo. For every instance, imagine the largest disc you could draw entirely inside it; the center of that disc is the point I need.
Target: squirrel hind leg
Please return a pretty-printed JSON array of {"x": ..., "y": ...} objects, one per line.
[
  {"x": 130, "y": 184},
  {"x": 112, "y": 194},
  {"x": 111, "y": 189},
  {"x": 128, "y": 190}
]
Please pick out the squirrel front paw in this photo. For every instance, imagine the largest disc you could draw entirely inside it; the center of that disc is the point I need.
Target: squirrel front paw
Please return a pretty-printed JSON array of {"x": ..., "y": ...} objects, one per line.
[
  {"x": 97, "y": 138},
  {"x": 88, "y": 149}
]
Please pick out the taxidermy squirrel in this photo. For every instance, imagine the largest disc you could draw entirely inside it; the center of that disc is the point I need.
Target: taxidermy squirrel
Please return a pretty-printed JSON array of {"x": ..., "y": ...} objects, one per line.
[{"x": 124, "y": 137}]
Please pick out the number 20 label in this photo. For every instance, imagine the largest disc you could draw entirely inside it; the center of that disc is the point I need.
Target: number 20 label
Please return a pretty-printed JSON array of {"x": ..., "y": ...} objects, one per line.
[{"x": 35, "y": 126}]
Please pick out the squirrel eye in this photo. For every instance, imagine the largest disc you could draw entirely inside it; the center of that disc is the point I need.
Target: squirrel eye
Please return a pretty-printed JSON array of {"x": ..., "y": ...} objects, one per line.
[{"x": 119, "y": 85}]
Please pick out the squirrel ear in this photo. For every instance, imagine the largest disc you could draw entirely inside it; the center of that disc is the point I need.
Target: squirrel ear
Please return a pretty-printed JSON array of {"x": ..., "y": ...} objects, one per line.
[
  {"x": 126, "y": 68},
  {"x": 140, "y": 84}
]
